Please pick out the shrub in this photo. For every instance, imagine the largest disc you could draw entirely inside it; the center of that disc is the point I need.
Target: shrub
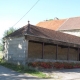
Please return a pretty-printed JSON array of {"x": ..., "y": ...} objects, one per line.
[
  {"x": 46, "y": 65},
  {"x": 57, "y": 65},
  {"x": 68, "y": 65}
]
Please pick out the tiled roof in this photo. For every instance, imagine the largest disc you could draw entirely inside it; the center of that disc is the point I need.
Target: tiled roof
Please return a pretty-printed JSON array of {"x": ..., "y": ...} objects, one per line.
[
  {"x": 53, "y": 24},
  {"x": 71, "y": 24},
  {"x": 45, "y": 33}
]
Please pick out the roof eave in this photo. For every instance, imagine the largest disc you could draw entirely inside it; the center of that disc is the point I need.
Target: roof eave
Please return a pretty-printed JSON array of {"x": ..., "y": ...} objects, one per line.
[{"x": 47, "y": 40}]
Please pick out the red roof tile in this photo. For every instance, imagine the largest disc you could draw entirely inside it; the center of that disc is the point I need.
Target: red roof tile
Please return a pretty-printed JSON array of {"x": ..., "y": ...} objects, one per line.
[
  {"x": 71, "y": 24},
  {"x": 53, "y": 24}
]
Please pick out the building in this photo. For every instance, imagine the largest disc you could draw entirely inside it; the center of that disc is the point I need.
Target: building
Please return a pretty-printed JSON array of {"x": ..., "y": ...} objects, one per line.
[
  {"x": 33, "y": 43},
  {"x": 69, "y": 26},
  {"x": 51, "y": 24}
]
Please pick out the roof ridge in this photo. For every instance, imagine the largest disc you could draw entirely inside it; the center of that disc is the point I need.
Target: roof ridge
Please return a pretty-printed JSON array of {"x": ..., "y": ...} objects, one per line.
[
  {"x": 75, "y": 17},
  {"x": 63, "y": 23},
  {"x": 52, "y": 20}
]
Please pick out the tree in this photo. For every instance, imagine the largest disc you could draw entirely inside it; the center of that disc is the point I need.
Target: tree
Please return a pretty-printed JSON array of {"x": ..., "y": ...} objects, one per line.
[
  {"x": 7, "y": 32},
  {"x": 50, "y": 19},
  {"x": 1, "y": 47}
]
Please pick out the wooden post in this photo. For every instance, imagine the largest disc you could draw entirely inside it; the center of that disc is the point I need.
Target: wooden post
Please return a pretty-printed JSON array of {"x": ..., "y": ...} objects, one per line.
[
  {"x": 56, "y": 51},
  {"x": 78, "y": 55},
  {"x": 68, "y": 53},
  {"x": 42, "y": 49}
]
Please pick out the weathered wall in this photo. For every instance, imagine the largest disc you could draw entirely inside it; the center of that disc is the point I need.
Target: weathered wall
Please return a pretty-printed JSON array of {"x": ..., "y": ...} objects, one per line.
[
  {"x": 16, "y": 49},
  {"x": 35, "y": 50},
  {"x": 62, "y": 53},
  {"x": 49, "y": 52},
  {"x": 73, "y": 54}
]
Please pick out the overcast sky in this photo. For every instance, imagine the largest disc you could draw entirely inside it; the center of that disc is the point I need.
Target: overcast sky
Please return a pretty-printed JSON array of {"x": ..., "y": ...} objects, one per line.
[{"x": 12, "y": 10}]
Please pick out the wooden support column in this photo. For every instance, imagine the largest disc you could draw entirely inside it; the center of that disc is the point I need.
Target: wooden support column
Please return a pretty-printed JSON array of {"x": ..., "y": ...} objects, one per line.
[
  {"x": 56, "y": 51},
  {"x": 68, "y": 53},
  {"x": 42, "y": 49},
  {"x": 78, "y": 55}
]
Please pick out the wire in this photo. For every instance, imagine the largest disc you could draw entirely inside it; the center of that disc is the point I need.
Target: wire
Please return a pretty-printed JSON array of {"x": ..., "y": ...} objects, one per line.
[{"x": 26, "y": 13}]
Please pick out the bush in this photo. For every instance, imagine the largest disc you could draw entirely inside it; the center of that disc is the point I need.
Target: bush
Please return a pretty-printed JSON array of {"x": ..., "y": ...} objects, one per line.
[
  {"x": 68, "y": 65},
  {"x": 57, "y": 65}
]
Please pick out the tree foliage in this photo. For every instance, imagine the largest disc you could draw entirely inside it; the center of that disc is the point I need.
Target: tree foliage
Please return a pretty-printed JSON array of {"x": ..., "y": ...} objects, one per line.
[
  {"x": 7, "y": 32},
  {"x": 50, "y": 19},
  {"x": 1, "y": 47}
]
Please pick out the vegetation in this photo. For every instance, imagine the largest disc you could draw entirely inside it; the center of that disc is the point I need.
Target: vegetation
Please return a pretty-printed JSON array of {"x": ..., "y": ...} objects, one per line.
[
  {"x": 21, "y": 69},
  {"x": 57, "y": 65},
  {"x": 7, "y": 32},
  {"x": 50, "y": 19},
  {"x": 1, "y": 47}
]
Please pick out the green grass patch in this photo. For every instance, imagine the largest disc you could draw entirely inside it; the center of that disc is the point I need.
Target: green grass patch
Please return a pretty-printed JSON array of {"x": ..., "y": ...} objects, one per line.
[
  {"x": 22, "y": 69},
  {"x": 1, "y": 54}
]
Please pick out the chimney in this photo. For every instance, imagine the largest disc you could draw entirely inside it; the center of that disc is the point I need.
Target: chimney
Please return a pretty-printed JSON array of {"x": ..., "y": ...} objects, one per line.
[
  {"x": 28, "y": 27},
  {"x": 28, "y": 22}
]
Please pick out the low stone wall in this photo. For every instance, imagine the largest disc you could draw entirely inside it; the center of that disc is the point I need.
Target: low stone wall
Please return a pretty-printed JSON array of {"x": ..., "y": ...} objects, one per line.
[
  {"x": 51, "y": 64},
  {"x": 50, "y": 60}
]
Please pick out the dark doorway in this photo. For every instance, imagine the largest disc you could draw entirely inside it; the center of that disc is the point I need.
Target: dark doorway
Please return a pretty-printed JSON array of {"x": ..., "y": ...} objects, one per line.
[{"x": 79, "y": 56}]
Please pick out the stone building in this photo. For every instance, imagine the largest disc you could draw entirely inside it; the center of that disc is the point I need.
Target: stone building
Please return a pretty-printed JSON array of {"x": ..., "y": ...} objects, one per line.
[{"x": 31, "y": 43}]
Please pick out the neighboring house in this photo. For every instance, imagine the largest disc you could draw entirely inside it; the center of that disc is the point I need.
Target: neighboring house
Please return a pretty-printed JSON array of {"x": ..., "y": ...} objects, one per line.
[
  {"x": 32, "y": 43},
  {"x": 51, "y": 24},
  {"x": 70, "y": 25}
]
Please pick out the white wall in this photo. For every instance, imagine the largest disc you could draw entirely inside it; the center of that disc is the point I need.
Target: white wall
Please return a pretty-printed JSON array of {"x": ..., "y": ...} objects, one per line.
[
  {"x": 16, "y": 50},
  {"x": 72, "y": 32}
]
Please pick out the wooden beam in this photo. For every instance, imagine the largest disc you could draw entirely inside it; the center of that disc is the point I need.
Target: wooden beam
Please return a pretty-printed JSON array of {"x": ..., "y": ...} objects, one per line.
[
  {"x": 78, "y": 55},
  {"x": 56, "y": 51},
  {"x": 42, "y": 50},
  {"x": 68, "y": 53}
]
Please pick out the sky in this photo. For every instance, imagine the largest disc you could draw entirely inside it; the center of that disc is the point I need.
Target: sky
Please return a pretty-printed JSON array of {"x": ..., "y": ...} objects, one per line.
[{"x": 12, "y": 10}]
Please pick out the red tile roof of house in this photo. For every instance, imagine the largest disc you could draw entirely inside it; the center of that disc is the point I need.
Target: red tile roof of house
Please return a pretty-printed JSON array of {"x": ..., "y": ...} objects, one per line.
[
  {"x": 71, "y": 24},
  {"x": 53, "y": 24},
  {"x": 45, "y": 33}
]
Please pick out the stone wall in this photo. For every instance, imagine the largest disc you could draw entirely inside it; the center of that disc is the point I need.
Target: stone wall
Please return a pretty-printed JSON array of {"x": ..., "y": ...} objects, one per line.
[{"x": 16, "y": 49}]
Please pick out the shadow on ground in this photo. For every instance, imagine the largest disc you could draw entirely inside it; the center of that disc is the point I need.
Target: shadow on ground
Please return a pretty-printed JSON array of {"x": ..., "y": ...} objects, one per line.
[{"x": 8, "y": 74}]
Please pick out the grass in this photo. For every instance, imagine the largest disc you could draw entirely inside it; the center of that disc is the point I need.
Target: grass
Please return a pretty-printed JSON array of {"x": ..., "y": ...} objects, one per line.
[
  {"x": 1, "y": 54},
  {"x": 21, "y": 69}
]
